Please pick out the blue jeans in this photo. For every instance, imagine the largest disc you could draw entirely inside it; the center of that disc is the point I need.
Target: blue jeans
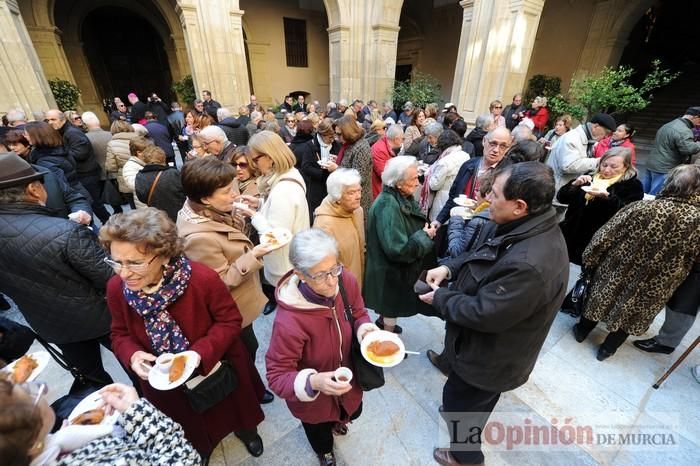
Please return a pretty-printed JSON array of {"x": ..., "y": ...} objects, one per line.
[{"x": 653, "y": 181}]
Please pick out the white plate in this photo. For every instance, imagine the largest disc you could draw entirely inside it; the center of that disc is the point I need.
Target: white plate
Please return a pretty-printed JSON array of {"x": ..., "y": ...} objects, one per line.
[
  {"x": 465, "y": 202},
  {"x": 160, "y": 381},
  {"x": 282, "y": 235},
  {"x": 591, "y": 189},
  {"x": 92, "y": 401},
  {"x": 383, "y": 335},
  {"x": 42, "y": 359}
]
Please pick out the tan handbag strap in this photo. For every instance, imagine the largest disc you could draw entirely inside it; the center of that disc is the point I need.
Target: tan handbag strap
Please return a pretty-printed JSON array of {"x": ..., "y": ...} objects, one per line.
[{"x": 153, "y": 187}]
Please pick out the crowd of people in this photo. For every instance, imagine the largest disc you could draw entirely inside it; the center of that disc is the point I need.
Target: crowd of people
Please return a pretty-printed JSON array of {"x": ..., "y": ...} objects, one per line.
[{"x": 107, "y": 239}]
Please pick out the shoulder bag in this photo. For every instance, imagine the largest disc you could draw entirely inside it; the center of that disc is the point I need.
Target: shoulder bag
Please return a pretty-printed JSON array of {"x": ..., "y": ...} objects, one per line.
[
  {"x": 368, "y": 376},
  {"x": 153, "y": 187},
  {"x": 205, "y": 392}
]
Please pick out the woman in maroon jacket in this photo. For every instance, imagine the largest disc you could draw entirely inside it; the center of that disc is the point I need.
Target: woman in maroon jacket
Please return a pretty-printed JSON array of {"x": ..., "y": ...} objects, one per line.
[
  {"x": 311, "y": 339},
  {"x": 161, "y": 302}
]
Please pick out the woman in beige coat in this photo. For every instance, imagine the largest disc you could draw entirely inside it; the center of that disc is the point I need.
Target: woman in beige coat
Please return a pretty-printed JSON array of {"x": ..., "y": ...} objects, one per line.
[
  {"x": 212, "y": 236},
  {"x": 341, "y": 216},
  {"x": 118, "y": 154}
]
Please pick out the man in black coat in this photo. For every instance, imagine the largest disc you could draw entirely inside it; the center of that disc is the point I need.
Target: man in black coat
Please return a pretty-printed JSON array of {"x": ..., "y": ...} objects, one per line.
[
  {"x": 138, "y": 108},
  {"x": 500, "y": 304},
  {"x": 161, "y": 136},
  {"x": 53, "y": 269},
  {"x": 235, "y": 131},
  {"x": 513, "y": 113},
  {"x": 210, "y": 105}
]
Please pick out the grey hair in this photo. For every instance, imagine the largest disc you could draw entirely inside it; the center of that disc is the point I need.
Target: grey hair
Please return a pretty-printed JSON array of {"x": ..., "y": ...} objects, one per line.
[
  {"x": 394, "y": 132},
  {"x": 255, "y": 115},
  {"x": 14, "y": 115},
  {"x": 626, "y": 154},
  {"x": 89, "y": 118},
  {"x": 330, "y": 105},
  {"x": 433, "y": 129},
  {"x": 343, "y": 102},
  {"x": 522, "y": 133},
  {"x": 309, "y": 247},
  {"x": 484, "y": 120},
  {"x": 223, "y": 113},
  {"x": 140, "y": 129},
  {"x": 683, "y": 181},
  {"x": 213, "y": 133},
  {"x": 395, "y": 169},
  {"x": 13, "y": 194},
  {"x": 341, "y": 179}
]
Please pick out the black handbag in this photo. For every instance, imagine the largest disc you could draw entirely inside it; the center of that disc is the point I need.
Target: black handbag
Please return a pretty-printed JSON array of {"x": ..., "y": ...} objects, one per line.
[
  {"x": 368, "y": 375},
  {"x": 110, "y": 194},
  {"x": 219, "y": 384},
  {"x": 579, "y": 293}
]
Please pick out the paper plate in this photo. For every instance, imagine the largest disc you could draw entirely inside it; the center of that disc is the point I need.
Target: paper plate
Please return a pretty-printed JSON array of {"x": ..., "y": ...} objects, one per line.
[
  {"x": 160, "y": 381},
  {"x": 591, "y": 189},
  {"x": 42, "y": 359},
  {"x": 383, "y": 335},
  {"x": 465, "y": 202},
  {"x": 92, "y": 401},
  {"x": 276, "y": 238}
]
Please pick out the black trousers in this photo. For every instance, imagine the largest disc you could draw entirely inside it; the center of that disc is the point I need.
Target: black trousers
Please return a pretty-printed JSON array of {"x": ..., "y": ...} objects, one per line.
[
  {"x": 612, "y": 342},
  {"x": 250, "y": 341},
  {"x": 92, "y": 184},
  {"x": 320, "y": 436},
  {"x": 466, "y": 408},
  {"x": 86, "y": 357}
]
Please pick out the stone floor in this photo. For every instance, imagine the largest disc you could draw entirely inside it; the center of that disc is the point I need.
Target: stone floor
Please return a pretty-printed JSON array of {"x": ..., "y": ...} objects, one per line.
[{"x": 400, "y": 424}]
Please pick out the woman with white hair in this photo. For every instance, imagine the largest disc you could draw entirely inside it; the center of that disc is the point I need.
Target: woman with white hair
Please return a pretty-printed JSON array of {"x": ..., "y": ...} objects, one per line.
[
  {"x": 341, "y": 216},
  {"x": 399, "y": 245},
  {"x": 311, "y": 338}
]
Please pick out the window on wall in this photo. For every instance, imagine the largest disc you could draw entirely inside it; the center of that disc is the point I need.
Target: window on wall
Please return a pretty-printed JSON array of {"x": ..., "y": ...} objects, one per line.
[{"x": 295, "y": 42}]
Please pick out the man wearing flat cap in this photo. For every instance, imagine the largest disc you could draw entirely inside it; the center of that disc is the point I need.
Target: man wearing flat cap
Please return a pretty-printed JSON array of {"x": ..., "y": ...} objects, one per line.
[
  {"x": 53, "y": 269},
  {"x": 673, "y": 146}
]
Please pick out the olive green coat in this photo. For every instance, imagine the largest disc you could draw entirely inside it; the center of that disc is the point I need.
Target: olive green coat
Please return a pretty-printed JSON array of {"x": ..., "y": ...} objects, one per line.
[{"x": 397, "y": 251}]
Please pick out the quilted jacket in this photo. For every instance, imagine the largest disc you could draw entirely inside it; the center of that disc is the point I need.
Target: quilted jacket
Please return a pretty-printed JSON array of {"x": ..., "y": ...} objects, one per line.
[
  {"x": 53, "y": 269},
  {"x": 117, "y": 155}
]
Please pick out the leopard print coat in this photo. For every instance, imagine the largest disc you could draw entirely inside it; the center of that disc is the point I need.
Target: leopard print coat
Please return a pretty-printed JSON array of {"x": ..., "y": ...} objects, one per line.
[{"x": 639, "y": 258}]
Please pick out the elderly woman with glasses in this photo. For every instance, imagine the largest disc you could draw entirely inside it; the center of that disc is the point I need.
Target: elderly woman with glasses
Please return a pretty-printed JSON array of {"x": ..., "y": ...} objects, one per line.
[
  {"x": 289, "y": 130},
  {"x": 149, "y": 437},
  {"x": 399, "y": 245},
  {"x": 162, "y": 302},
  {"x": 311, "y": 338},
  {"x": 496, "y": 109}
]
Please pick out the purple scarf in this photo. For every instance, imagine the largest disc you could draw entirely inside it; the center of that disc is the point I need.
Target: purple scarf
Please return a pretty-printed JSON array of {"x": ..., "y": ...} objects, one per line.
[
  {"x": 315, "y": 298},
  {"x": 162, "y": 330}
]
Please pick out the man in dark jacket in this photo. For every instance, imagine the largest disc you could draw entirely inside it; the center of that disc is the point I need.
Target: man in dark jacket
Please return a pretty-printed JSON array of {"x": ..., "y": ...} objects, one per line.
[
  {"x": 500, "y": 304},
  {"x": 160, "y": 136},
  {"x": 236, "y": 132},
  {"x": 138, "y": 109},
  {"x": 210, "y": 105},
  {"x": 79, "y": 147},
  {"x": 53, "y": 269},
  {"x": 513, "y": 113},
  {"x": 159, "y": 109}
]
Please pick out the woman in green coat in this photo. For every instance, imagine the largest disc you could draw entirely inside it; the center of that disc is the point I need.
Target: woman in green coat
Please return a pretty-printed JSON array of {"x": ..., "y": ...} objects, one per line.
[{"x": 399, "y": 246}]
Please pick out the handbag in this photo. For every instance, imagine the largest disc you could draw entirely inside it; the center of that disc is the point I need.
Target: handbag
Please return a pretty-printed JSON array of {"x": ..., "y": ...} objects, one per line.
[
  {"x": 153, "y": 187},
  {"x": 205, "y": 392},
  {"x": 579, "y": 293},
  {"x": 368, "y": 375},
  {"x": 110, "y": 194}
]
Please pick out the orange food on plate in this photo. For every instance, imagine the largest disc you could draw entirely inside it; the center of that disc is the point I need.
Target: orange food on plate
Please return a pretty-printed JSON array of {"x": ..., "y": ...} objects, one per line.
[
  {"x": 23, "y": 368},
  {"x": 269, "y": 239},
  {"x": 382, "y": 352},
  {"x": 177, "y": 368},
  {"x": 89, "y": 418}
]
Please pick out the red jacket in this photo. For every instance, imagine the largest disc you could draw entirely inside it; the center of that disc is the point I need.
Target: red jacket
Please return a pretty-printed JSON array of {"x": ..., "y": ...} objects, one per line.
[
  {"x": 211, "y": 322},
  {"x": 305, "y": 340},
  {"x": 381, "y": 154},
  {"x": 604, "y": 144},
  {"x": 540, "y": 117}
]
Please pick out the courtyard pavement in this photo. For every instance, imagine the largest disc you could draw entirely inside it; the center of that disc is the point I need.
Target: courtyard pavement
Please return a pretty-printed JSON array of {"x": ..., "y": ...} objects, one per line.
[{"x": 400, "y": 423}]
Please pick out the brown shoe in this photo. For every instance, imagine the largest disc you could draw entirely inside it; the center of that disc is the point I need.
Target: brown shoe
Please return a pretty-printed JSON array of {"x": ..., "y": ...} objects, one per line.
[
  {"x": 444, "y": 457},
  {"x": 439, "y": 361}
]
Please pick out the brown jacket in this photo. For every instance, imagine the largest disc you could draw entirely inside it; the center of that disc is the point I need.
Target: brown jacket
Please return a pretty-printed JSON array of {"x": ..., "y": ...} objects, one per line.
[
  {"x": 348, "y": 229},
  {"x": 229, "y": 252}
]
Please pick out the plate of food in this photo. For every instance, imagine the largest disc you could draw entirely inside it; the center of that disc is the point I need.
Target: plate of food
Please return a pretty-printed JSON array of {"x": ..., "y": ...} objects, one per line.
[
  {"x": 28, "y": 367},
  {"x": 91, "y": 412},
  {"x": 382, "y": 348},
  {"x": 592, "y": 189},
  {"x": 463, "y": 201},
  {"x": 172, "y": 370},
  {"x": 276, "y": 238}
]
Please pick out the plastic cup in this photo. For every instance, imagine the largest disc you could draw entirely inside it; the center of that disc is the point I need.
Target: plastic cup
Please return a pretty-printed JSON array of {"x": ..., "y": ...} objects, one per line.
[
  {"x": 164, "y": 362},
  {"x": 343, "y": 375}
]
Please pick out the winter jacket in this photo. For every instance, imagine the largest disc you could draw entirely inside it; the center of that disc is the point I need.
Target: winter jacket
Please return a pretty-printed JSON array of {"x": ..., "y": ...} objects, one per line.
[
  {"x": 118, "y": 154},
  {"x": 302, "y": 145},
  {"x": 427, "y": 153},
  {"x": 211, "y": 106},
  {"x": 502, "y": 301},
  {"x": 314, "y": 176},
  {"x": 540, "y": 118},
  {"x": 583, "y": 218},
  {"x": 131, "y": 168},
  {"x": 53, "y": 269},
  {"x": 307, "y": 339},
  {"x": 466, "y": 172},
  {"x": 236, "y": 132},
  {"x": 160, "y": 135},
  {"x": 99, "y": 139},
  {"x": 348, "y": 229},
  {"x": 572, "y": 155},
  {"x": 226, "y": 154},
  {"x": 508, "y": 113},
  {"x": 381, "y": 154},
  {"x": 397, "y": 251},
  {"x": 285, "y": 206},
  {"x": 476, "y": 137},
  {"x": 411, "y": 133},
  {"x": 606, "y": 143},
  {"x": 359, "y": 157},
  {"x": 673, "y": 146},
  {"x": 462, "y": 234},
  {"x": 228, "y": 252},
  {"x": 61, "y": 197},
  {"x": 79, "y": 147},
  {"x": 57, "y": 160},
  {"x": 167, "y": 194},
  {"x": 442, "y": 175}
]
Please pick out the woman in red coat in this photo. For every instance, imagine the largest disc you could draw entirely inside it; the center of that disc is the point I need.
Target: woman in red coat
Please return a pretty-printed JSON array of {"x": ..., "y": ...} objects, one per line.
[
  {"x": 161, "y": 302},
  {"x": 539, "y": 115},
  {"x": 311, "y": 339}
]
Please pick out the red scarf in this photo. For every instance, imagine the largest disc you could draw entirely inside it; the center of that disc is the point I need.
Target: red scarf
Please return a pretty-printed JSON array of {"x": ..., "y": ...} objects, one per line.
[{"x": 339, "y": 158}]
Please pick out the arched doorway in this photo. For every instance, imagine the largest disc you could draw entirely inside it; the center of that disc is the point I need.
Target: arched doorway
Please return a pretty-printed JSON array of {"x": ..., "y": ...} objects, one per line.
[{"x": 128, "y": 58}]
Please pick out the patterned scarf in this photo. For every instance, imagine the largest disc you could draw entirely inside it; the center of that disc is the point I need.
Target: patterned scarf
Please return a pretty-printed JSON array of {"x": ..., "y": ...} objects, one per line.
[{"x": 162, "y": 330}]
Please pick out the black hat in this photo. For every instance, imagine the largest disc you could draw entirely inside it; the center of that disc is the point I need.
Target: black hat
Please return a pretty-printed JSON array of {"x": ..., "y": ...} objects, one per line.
[
  {"x": 604, "y": 120},
  {"x": 693, "y": 111},
  {"x": 14, "y": 171}
]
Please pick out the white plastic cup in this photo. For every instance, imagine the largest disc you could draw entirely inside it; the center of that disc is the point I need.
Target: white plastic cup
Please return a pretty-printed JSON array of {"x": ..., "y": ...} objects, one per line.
[{"x": 343, "y": 375}]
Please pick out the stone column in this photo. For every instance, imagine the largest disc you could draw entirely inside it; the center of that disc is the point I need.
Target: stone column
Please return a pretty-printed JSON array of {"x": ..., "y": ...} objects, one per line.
[
  {"x": 494, "y": 52},
  {"x": 23, "y": 84},
  {"x": 214, "y": 39}
]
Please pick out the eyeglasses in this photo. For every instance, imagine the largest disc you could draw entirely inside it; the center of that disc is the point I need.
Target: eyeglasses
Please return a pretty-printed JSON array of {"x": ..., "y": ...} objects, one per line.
[
  {"x": 320, "y": 277},
  {"x": 118, "y": 266},
  {"x": 77, "y": 118},
  {"x": 503, "y": 147},
  {"x": 499, "y": 106},
  {"x": 291, "y": 121},
  {"x": 241, "y": 164},
  {"x": 35, "y": 390}
]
